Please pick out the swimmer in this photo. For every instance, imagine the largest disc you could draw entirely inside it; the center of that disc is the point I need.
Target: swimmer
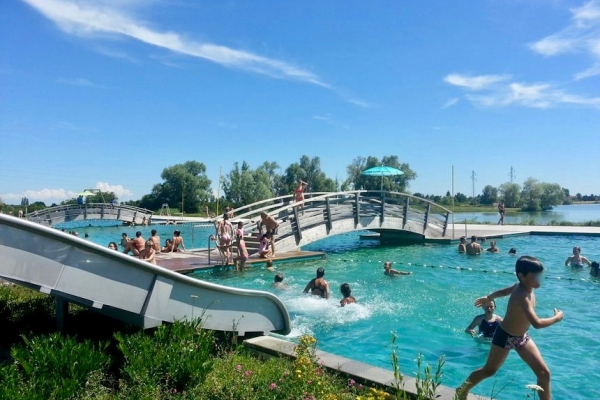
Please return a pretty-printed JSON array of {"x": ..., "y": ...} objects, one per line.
[
  {"x": 462, "y": 245},
  {"x": 473, "y": 248},
  {"x": 346, "y": 292},
  {"x": 113, "y": 246},
  {"x": 269, "y": 266},
  {"x": 278, "y": 281},
  {"x": 388, "y": 270},
  {"x": 595, "y": 270},
  {"x": 493, "y": 248},
  {"x": 318, "y": 286},
  {"x": 577, "y": 260},
  {"x": 148, "y": 253},
  {"x": 487, "y": 322},
  {"x": 512, "y": 251}
]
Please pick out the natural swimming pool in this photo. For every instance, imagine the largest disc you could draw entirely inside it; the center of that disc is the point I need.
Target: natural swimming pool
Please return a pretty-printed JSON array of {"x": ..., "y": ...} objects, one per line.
[{"x": 430, "y": 309}]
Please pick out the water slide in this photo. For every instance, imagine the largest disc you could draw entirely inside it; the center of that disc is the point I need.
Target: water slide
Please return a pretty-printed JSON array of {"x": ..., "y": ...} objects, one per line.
[{"x": 123, "y": 287}]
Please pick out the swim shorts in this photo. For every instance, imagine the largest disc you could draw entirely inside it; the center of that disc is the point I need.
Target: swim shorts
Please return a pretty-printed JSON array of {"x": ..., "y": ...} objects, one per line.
[{"x": 507, "y": 341}]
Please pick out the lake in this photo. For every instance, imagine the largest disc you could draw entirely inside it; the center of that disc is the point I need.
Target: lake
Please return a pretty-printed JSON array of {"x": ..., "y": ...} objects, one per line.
[{"x": 571, "y": 213}]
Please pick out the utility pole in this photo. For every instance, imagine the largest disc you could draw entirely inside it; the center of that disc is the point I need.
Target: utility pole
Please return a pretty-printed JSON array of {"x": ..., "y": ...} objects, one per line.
[
  {"x": 473, "y": 179},
  {"x": 512, "y": 174}
]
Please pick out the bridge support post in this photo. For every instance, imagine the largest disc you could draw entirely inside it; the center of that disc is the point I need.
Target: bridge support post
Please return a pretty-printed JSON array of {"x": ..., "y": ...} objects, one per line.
[
  {"x": 119, "y": 213},
  {"x": 102, "y": 211},
  {"x": 406, "y": 206},
  {"x": 357, "y": 209},
  {"x": 85, "y": 212},
  {"x": 382, "y": 215},
  {"x": 328, "y": 215},
  {"x": 62, "y": 310},
  {"x": 446, "y": 225},
  {"x": 426, "y": 217},
  {"x": 298, "y": 230}
]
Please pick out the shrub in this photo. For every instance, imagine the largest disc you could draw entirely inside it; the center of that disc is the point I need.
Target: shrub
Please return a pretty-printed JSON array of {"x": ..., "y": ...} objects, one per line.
[
  {"x": 170, "y": 359},
  {"x": 53, "y": 366}
]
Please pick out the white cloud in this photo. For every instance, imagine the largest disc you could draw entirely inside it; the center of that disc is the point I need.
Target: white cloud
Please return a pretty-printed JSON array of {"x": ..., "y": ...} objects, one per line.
[
  {"x": 80, "y": 82},
  {"x": 474, "y": 82},
  {"x": 451, "y": 102},
  {"x": 45, "y": 195},
  {"x": 581, "y": 35},
  {"x": 532, "y": 95},
  {"x": 119, "y": 190},
  {"x": 89, "y": 19}
]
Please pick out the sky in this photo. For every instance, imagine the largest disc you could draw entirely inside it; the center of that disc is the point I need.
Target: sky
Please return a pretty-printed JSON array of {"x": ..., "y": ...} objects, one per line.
[{"x": 106, "y": 94}]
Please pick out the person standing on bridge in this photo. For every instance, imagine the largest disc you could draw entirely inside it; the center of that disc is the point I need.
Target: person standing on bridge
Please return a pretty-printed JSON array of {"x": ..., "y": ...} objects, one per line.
[
  {"x": 135, "y": 245},
  {"x": 271, "y": 225},
  {"x": 299, "y": 194}
]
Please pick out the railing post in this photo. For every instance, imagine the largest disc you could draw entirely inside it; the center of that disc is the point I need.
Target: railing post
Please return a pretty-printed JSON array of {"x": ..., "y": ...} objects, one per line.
[
  {"x": 357, "y": 206},
  {"x": 382, "y": 215},
  {"x": 119, "y": 213},
  {"x": 406, "y": 206},
  {"x": 102, "y": 211},
  {"x": 446, "y": 224},
  {"x": 328, "y": 215},
  {"x": 426, "y": 217}
]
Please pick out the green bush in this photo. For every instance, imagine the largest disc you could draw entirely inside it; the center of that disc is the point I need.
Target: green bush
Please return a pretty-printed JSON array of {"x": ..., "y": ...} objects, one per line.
[
  {"x": 171, "y": 358},
  {"x": 52, "y": 367}
]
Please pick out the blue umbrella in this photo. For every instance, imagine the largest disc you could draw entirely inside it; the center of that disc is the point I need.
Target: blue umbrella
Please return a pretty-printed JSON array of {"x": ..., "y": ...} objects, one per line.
[{"x": 382, "y": 170}]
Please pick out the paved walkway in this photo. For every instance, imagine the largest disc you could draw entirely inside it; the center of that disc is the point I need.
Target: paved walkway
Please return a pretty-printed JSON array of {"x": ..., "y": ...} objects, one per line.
[{"x": 499, "y": 231}]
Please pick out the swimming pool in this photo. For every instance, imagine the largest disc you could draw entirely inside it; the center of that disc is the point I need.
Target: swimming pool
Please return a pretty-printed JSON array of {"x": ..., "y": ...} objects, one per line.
[{"x": 430, "y": 309}]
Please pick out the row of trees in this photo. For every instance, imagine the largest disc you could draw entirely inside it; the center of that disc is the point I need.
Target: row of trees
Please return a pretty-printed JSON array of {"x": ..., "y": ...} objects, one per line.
[{"x": 186, "y": 185}]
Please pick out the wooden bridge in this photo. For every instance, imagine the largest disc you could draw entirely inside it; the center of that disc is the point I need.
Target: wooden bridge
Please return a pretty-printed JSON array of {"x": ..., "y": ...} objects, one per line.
[
  {"x": 90, "y": 211},
  {"x": 396, "y": 216}
]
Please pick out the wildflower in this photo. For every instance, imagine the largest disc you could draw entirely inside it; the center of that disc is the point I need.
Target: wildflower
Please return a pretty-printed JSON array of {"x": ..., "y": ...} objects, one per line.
[
  {"x": 238, "y": 368},
  {"x": 247, "y": 373},
  {"x": 351, "y": 382},
  {"x": 272, "y": 386},
  {"x": 174, "y": 390},
  {"x": 309, "y": 382},
  {"x": 534, "y": 387}
]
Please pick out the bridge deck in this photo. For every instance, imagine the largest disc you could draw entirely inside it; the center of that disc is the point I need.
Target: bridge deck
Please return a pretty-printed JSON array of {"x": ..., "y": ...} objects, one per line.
[{"x": 192, "y": 261}]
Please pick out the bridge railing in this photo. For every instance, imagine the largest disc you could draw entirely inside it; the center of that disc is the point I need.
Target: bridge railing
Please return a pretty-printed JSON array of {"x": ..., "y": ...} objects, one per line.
[
  {"x": 92, "y": 211},
  {"x": 390, "y": 211}
]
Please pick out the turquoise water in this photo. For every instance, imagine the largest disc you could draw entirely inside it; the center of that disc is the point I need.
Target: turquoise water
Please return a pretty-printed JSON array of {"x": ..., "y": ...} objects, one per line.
[{"x": 430, "y": 309}]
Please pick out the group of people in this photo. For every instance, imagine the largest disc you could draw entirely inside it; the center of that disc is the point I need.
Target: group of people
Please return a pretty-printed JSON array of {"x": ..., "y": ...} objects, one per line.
[
  {"x": 148, "y": 249},
  {"x": 474, "y": 248},
  {"x": 318, "y": 286}
]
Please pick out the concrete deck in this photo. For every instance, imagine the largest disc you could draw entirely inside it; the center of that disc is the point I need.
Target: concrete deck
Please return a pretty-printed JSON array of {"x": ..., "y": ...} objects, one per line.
[{"x": 362, "y": 373}]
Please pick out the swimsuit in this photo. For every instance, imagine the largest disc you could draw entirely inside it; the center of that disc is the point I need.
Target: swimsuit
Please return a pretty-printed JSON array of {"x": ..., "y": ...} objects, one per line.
[
  {"x": 507, "y": 341},
  {"x": 487, "y": 328},
  {"x": 312, "y": 290},
  {"x": 299, "y": 192},
  {"x": 575, "y": 264}
]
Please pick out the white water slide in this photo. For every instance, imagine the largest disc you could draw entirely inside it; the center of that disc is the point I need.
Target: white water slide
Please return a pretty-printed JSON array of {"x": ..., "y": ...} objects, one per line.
[{"x": 126, "y": 288}]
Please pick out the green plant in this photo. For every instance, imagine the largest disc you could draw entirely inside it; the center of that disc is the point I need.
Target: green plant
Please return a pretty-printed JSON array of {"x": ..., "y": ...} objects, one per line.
[
  {"x": 398, "y": 381},
  {"x": 174, "y": 357},
  {"x": 57, "y": 366},
  {"x": 427, "y": 384}
]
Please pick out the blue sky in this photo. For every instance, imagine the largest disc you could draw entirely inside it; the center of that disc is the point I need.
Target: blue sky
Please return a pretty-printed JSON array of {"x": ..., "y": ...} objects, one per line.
[{"x": 105, "y": 94}]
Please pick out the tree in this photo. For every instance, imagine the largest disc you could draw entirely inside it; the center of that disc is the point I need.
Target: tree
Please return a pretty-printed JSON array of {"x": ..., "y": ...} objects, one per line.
[
  {"x": 489, "y": 195},
  {"x": 552, "y": 195},
  {"x": 309, "y": 170},
  {"x": 511, "y": 194},
  {"x": 244, "y": 186},
  {"x": 398, "y": 183},
  {"x": 460, "y": 198},
  {"x": 185, "y": 182}
]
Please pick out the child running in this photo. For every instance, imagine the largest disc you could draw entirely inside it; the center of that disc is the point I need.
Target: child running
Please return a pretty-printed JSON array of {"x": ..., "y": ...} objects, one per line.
[{"x": 512, "y": 332}]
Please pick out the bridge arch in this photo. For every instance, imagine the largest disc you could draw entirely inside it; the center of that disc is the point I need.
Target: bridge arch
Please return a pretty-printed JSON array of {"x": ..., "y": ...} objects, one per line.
[
  {"x": 52, "y": 216},
  {"x": 392, "y": 214}
]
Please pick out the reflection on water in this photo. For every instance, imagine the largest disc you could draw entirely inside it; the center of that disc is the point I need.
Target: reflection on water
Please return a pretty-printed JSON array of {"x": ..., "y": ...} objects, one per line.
[{"x": 570, "y": 213}]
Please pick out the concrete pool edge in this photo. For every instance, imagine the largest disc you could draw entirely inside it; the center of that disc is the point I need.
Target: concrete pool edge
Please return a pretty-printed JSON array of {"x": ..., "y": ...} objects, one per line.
[{"x": 369, "y": 375}]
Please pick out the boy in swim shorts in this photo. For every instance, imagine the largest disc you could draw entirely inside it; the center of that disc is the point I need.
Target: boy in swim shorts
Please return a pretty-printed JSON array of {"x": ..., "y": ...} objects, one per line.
[{"x": 512, "y": 331}]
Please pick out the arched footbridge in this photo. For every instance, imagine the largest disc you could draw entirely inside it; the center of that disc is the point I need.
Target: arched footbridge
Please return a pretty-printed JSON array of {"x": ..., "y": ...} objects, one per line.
[
  {"x": 396, "y": 216},
  {"x": 90, "y": 211}
]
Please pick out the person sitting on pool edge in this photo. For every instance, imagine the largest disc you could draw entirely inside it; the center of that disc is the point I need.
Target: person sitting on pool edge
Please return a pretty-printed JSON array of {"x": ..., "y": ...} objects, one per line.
[
  {"x": 318, "y": 286},
  {"x": 135, "y": 245},
  {"x": 487, "y": 322},
  {"x": 346, "y": 292},
  {"x": 577, "y": 260},
  {"x": 493, "y": 248},
  {"x": 388, "y": 270}
]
